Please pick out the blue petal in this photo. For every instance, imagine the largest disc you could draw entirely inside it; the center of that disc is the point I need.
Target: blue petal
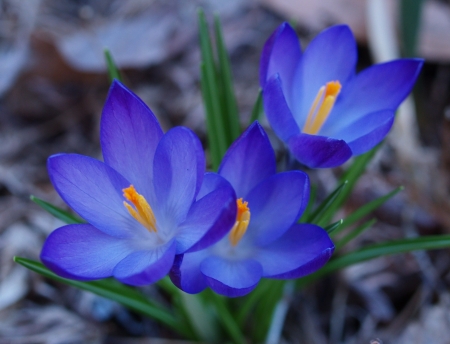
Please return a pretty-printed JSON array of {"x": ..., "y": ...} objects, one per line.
[
  {"x": 93, "y": 190},
  {"x": 277, "y": 110},
  {"x": 380, "y": 87},
  {"x": 368, "y": 131},
  {"x": 146, "y": 266},
  {"x": 249, "y": 160},
  {"x": 275, "y": 204},
  {"x": 302, "y": 250},
  {"x": 331, "y": 56},
  {"x": 178, "y": 169},
  {"x": 82, "y": 252},
  {"x": 186, "y": 274},
  {"x": 129, "y": 135},
  {"x": 281, "y": 55},
  {"x": 319, "y": 151},
  {"x": 231, "y": 278},
  {"x": 209, "y": 218}
]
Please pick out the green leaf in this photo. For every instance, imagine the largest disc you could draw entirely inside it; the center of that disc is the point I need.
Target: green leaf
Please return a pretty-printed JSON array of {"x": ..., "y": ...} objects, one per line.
[
  {"x": 351, "y": 176},
  {"x": 331, "y": 228},
  {"x": 217, "y": 138},
  {"x": 432, "y": 242},
  {"x": 410, "y": 13},
  {"x": 258, "y": 109},
  {"x": 322, "y": 210},
  {"x": 57, "y": 212},
  {"x": 354, "y": 233},
  {"x": 113, "y": 71},
  {"x": 113, "y": 290},
  {"x": 230, "y": 118},
  {"x": 367, "y": 209}
]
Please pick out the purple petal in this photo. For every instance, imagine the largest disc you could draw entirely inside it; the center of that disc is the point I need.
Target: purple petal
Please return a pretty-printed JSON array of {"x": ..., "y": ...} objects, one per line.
[
  {"x": 277, "y": 110},
  {"x": 93, "y": 190},
  {"x": 319, "y": 151},
  {"x": 231, "y": 278},
  {"x": 129, "y": 135},
  {"x": 331, "y": 56},
  {"x": 146, "y": 266},
  {"x": 302, "y": 250},
  {"x": 275, "y": 204},
  {"x": 380, "y": 87},
  {"x": 82, "y": 252},
  {"x": 368, "y": 131},
  {"x": 249, "y": 160},
  {"x": 281, "y": 55},
  {"x": 209, "y": 218},
  {"x": 178, "y": 169},
  {"x": 186, "y": 274}
]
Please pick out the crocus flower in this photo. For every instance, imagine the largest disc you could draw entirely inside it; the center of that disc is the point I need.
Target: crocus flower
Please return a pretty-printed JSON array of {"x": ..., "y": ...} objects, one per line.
[
  {"x": 144, "y": 204},
  {"x": 265, "y": 240},
  {"x": 316, "y": 103}
]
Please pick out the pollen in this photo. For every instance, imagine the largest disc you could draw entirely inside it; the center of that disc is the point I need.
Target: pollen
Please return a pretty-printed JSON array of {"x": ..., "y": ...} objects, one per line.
[
  {"x": 242, "y": 222},
  {"x": 139, "y": 208},
  {"x": 321, "y": 107}
]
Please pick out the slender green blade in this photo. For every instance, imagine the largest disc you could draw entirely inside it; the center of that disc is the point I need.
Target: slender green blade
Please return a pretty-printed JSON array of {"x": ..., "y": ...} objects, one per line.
[
  {"x": 410, "y": 13},
  {"x": 249, "y": 302},
  {"x": 354, "y": 233},
  {"x": 113, "y": 290},
  {"x": 113, "y": 71},
  {"x": 367, "y": 209},
  {"x": 230, "y": 118},
  {"x": 317, "y": 215},
  {"x": 57, "y": 212},
  {"x": 352, "y": 176},
  {"x": 211, "y": 96},
  {"x": 331, "y": 228},
  {"x": 258, "y": 109}
]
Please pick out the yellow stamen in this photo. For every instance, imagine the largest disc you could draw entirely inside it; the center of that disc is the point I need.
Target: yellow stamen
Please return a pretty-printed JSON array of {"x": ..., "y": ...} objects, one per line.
[
  {"x": 241, "y": 224},
  {"x": 321, "y": 107},
  {"x": 141, "y": 211}
]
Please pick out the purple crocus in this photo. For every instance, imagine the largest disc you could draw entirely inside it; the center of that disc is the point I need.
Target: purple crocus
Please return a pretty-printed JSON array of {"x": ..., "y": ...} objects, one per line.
[
  {"x": 265, "y": 240},
  {"x": 316, "y": 103},
  {"x": 148, "y": 201}
]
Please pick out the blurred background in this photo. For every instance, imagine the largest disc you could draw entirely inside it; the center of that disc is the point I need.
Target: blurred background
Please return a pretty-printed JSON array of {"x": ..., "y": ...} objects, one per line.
[{"x": 53, "y": 82}]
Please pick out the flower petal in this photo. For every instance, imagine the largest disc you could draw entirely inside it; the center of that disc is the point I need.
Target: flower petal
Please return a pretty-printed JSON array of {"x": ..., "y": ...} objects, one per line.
[
  {"x": 318, "y": 151},
  {"x": 331, "y": 56},
  {"x": 277, "y": 110},
  {"x": 231, "y": 278},
  {"x": 281, "y": 55},
  {"x": 368, "y": 131},
  {"x": 186, "y": 274},
  {"x": 93, "y": 190},
  {"x": 275, "y": 204},
  {"x": 146, "y": 266},
  {"x": 209, "y": 218},
  {"x": 129, "y": 135},
  {"x": 381, "y": 87},
  {"x": 178, "y": 169},
  {"x": 249, "y": 160},
  {"x": 82, "y": 252},
  {"x": 302, "y": 250}
]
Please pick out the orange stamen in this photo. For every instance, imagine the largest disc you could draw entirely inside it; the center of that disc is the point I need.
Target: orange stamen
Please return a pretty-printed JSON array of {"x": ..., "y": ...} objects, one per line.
[
  {"x": 321, "y": 107},
  {"x": 241, "y": 224},
  {"x": 139, "y": 208}
]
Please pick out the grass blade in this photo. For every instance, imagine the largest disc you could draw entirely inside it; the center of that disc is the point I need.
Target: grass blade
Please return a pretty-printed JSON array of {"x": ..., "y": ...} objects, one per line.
[
  {"x": 230, "y": 117},
  {"x": 258, "y": 108},
  {"x": 354, "y": 233},
  {"x": 116, "y": 291},
  {"x": 334, "y": 226},
  {"x": 113, "y": 71},
  {"x": 317, "y": 215},
  {"x": 57, "y": 212}
]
